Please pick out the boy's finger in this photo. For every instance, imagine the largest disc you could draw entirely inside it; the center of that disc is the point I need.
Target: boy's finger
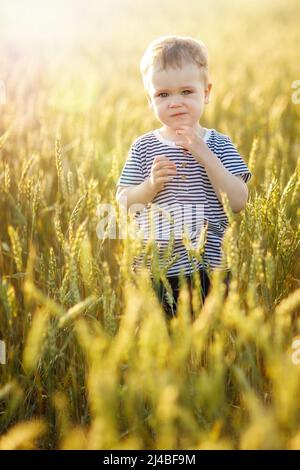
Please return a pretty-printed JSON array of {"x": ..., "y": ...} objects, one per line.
[
  {"x": 163, "y": 174},
  {"x": 163, "y": 161},
  {"x": 160, "y": 167},
  {"x": 160, "y": 157},
  {"x": 160, "y": 163}
]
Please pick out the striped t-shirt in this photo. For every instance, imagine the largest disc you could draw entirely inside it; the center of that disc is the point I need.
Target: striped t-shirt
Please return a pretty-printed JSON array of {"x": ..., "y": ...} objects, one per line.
[{"x": 188, "y": 200}]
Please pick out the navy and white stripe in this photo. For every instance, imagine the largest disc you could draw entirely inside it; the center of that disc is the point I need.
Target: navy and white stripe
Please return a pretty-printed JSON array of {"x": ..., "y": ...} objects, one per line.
[{"x": 184, "y": 196}]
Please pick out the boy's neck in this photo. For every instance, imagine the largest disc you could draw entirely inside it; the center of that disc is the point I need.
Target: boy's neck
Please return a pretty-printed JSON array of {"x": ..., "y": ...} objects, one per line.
[{"x": 170, "y": 134}]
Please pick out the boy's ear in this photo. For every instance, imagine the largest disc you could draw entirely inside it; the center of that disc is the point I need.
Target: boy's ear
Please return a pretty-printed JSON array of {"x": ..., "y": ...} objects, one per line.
[{"x": 207, "y": 93}]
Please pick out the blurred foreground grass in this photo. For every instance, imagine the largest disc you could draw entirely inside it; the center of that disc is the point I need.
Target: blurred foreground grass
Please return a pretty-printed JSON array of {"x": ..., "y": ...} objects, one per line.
[{"x": 91, "y": 361}]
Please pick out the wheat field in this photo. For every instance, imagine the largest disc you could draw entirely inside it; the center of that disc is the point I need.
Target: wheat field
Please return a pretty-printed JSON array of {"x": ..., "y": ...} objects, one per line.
[{"x": 91, "y": 361}]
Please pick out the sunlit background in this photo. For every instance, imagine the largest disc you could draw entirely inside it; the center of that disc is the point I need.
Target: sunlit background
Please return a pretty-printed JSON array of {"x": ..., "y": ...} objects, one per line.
[
  {"x": 92, "y": 44},
  {"x": 71, "y": 104},
  {"x": 64, "y": 60},
  {"x": 43, "y": 23}
]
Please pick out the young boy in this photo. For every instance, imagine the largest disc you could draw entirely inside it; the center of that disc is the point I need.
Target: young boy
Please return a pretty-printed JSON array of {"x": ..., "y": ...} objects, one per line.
[{"x": 182, "y": 167}]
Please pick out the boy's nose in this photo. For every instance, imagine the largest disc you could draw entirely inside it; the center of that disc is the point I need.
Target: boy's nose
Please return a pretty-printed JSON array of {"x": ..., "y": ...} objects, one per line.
[{"x": 175, "y": 104}]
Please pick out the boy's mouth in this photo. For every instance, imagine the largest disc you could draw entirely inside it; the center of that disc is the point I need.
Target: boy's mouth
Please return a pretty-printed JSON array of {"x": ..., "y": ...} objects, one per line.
[{"x": 177, "y": 114}]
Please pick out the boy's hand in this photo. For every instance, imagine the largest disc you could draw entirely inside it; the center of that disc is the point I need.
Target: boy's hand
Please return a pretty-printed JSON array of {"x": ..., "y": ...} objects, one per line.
[
  {"x": 162, "y": 171},
  {"x": 190, "y": 140}
]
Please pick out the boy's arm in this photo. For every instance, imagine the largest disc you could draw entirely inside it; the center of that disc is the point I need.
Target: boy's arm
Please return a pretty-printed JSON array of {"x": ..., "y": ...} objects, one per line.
[
  {"x": 220, "y": 173},
  {"x": 224, "y": 181},
  {"x": 132, "y": 196}
]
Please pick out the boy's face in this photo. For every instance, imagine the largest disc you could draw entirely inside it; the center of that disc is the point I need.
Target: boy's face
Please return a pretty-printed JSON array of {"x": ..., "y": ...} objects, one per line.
[{"x": 177, "y": 95}]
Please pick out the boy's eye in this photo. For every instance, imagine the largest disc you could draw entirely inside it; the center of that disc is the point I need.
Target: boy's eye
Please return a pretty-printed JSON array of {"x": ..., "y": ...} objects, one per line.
[{"x": 164, "y": 94}]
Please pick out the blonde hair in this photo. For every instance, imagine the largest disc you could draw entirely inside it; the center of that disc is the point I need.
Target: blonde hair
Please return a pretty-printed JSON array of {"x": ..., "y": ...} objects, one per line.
[{"x": 174, "y": 51}]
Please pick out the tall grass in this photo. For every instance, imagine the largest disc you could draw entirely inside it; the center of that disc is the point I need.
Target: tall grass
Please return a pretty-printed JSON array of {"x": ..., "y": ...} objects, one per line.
[{"x": 92, "y": 363}]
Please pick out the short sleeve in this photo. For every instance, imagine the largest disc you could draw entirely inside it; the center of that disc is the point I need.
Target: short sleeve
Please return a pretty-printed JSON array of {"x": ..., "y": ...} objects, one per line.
[
  {"x": 132, "y": 173},
  {"x": 233, "y": 161}
]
